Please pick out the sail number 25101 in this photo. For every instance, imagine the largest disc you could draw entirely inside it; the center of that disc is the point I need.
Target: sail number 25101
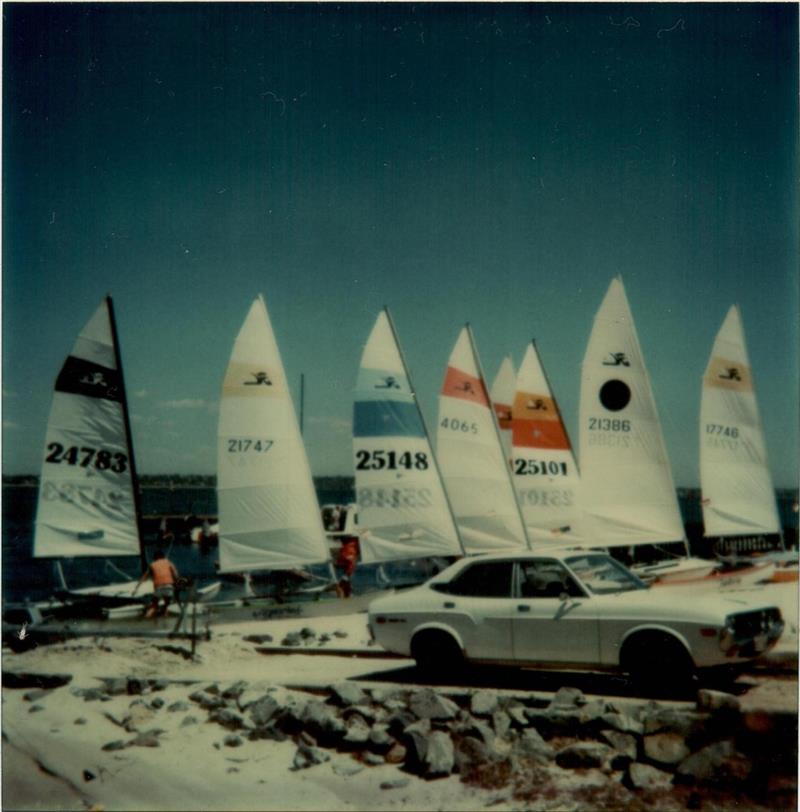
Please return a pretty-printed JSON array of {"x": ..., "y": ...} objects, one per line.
[{"x": 390, "y": 460}]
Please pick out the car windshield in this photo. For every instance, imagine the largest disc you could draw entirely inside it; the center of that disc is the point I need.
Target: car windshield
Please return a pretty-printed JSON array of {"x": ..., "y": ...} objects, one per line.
[{"x": 603, "y": 575}]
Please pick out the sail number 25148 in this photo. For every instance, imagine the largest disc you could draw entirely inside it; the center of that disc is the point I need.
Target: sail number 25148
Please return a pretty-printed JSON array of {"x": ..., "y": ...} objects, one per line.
[{"x": 390, "y": 460}]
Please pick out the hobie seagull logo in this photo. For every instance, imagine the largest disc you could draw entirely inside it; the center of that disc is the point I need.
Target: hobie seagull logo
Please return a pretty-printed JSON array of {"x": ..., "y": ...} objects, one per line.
[
  {"x": 730, "y": 374},
  {"x": 261, "y": 379},
  {"x": 617, "y": 359},
  {"x": 389, "y": 382}
]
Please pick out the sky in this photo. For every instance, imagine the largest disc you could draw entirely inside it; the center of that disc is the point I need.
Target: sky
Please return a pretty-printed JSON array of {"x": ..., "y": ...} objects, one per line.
[{"x": 490, "y": 163}]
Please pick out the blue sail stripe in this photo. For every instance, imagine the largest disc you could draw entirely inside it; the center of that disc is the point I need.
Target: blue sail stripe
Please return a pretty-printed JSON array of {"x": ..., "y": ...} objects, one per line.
[{"x": 386, "y": 418}]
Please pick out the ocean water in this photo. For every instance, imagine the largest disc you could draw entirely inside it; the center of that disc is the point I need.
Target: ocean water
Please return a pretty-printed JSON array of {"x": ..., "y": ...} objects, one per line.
[{"x": 25, "y": 577}]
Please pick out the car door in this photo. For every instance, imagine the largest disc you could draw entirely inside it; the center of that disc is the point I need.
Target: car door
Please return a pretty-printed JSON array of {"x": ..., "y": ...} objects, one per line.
[
  {"x": 554, "y": 619},
  {"x": 479, "y": 605}
]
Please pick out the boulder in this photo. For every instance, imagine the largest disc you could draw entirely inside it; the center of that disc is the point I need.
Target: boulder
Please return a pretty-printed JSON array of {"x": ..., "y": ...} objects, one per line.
[
  {"x": 379, "y": 739},
  {"x": 232, "y": 740},
  {"x": 643, "y": 776},
  {"x": 718, "y": 763},
  {"x": 623, "y": 743},
  {"x": 501, "y": 722},
  {"x": 234, "y": 690},
  {"x": 346, "y": 767},
  {"x": 322, "y": 722},
  {"x": 439, "y": 756},
  {"x": 517, "y": 715},
  {"x": 188, "y": 720},
  {"x": 532, "y": 745},
  {"x": 665, "y": 748},
  {"x": 137, "y": 686},
  {"x": 709, "y": 700},
  {"x": 396, "y": 754},
  {"x": 582, "y": 755},
  {"x": 428, "y": 704},
  {"x": 358, "y": 732},
  {"x": 292, "y": 640},
  {"x": 157, "y": 703},
  {"x": 567, "y": 697},
  {"x": 178, "y": 706},
  {"x": 399, "y": 721},
  {"x": 115, "y": 686},
  {"x": 415, "y": 739},
  {"x": 348, "y": 693},
  {"x": 227, "y": 718},
  {"x": 373, "y": 759},
  {"x": 622, "y": 722},
  {"x": 35, "y": 708},
  {"x": 212, "y": 688},
  {"x": 159, "y": 684},
  {"x": 686, "y": 723},
  {"x": 262, "y": 710},
  {"x": 306, "y": 757},
  {"x": 207, "y": 700},
  {"x": 483, "y": 703}
]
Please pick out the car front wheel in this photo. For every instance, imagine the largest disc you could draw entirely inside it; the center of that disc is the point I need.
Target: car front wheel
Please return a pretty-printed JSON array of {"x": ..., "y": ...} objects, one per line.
[
  {"x": 658, "y": 661},
  {"x": 436, "y": 652}
]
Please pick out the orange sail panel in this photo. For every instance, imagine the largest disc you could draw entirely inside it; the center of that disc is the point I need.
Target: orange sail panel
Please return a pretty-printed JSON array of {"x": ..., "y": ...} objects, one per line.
[
  {"x": 536, "y": 423},
  {"x": 459, "y": 384}
]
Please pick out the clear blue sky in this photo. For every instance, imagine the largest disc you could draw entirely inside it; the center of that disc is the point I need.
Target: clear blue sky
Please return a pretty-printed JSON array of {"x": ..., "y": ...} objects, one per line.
[{"x": 492, "y": 163}]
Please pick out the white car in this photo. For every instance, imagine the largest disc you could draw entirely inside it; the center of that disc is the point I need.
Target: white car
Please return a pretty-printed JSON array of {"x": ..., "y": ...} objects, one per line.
[{"x": 569, "y": 609}]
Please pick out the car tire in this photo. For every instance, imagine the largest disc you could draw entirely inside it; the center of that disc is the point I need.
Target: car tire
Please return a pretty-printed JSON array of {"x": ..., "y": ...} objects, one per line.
[
  {"x": 436, "y": 652},
  {"x": 658, "y": 661}
]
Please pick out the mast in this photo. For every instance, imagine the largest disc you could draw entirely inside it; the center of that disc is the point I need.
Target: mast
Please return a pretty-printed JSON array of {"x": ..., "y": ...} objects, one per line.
[
  {"x": 128, "y": 440},
  {"x": 302, "y": 399},
  {"x": 424, "y": 426},
  {"x": 497, "y": 433}
]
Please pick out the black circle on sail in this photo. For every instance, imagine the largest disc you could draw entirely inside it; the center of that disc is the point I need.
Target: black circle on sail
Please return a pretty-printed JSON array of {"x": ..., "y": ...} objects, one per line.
[{"x": 615, "y": 395}]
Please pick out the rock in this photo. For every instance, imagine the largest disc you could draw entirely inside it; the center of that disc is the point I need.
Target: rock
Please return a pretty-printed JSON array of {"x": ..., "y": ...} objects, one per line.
[
  {"x": 207, "y": 700},
  {"x": 178, "y": 706},
  {"x": 268, "y": 732},
  {"x": 582, "y": 754},
  {"x": 685, "y": 723},
  {"x": 249, "y": 696},
  {"x": 347, "y": 767},
  {"x": 290, "y": 719},
  {"x": 623, "y": 743},
  {"x": 358, "y": 732},
  {"x": 373, "y": 759},
  {"x": 396, "y": 754},
  {"x": 321, "y": 720},
  {"x": 427, "y": 704},
  {"x": 234, "y": 690},
  {"x": 159, "y": 684},
  {"x": 348, "y": 693},
  {"x": 476, "y": 728},
  {"x": 157, "y": 703},
  {"x": 340, "y": 634},
  {"x": 188, "y": 720},
  {"x": 324, "y": 638},
  {"x": 567, "y": 697},
  {"x": 292, "y": 639},
  {"x": 502, "y": 723},
  {"x": 232, "y": 740},
  {"x": 258, "y": 639},
  {"x": 517, "y": 715},
  {"x": 212, "y": 688},
  {"x": 470, "y": 751},
  {"x": 117, "y": 744},
  {"x": 623, "y": 723},
  {"x": 307, "y": 633},
  {"x": 556, "y": 721},
  {"x": 25, "y": 679},
  {"x": 665, "y": 748},
  {"x": 308, "y": 757},
  {"x": 81, "y": 720},
  {"x": 594, "y": 711},
  {"x": 136, "y": 686},
  {"x": 533, "y": 745},
  {"x": 147, "y": 739},
  {"x": 718, "y": 763},
  {"x": 262, "y": 710},
  {"x": 483, "y": 703},
  {"x": 643, "y": 776},
  {"x": 415, "y": 738},
  {"x": 440, "y": 755},
  {"x": 115, "y": 686},
  {"x": 716, "y": 700},
  {"x": 395, "y": 783},
  {"x": 379, "y": 739},
  {"x": 399, "y": 721},
  {"x": 35, "y": 708},
  {"x": 93, "y": 695},
  {"x": 227, "y": 718},
  {"x": 36, "y": 694}
]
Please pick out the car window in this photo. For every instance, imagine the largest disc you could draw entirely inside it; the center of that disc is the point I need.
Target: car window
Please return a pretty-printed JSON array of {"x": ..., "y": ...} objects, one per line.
[
  {"x": 603, "y": 575},
  {"x": 546, "y": 578},
  {"x": 491, "y": 579}
]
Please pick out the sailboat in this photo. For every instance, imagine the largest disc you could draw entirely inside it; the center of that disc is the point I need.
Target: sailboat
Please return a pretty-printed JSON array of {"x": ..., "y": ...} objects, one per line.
[
  {"x": 627, "y": 495},
  {"x": 269, "y": 517},
  {"x": 472, "y": 459},
  {"x": 738, "y": 498},
  {"x": 88, "y": 503},
  {"x": 403, "y": 509},
  {"x": 502, "y": 397},
  {"x": 545, "y": 474}
]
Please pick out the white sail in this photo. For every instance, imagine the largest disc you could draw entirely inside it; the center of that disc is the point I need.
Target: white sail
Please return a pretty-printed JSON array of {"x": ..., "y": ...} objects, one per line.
[
  {"x": 738, "y": 496},
  {"x": 627, "y": 496},
  {"x": 545, "y": 474},
  {"x": 402, "y": 506},
  {"x": 472, "y": 459},
  {"x": 502, "y": 396},
  {"x": 269, "y": 517},
  {"x": 86, "y": 501}
]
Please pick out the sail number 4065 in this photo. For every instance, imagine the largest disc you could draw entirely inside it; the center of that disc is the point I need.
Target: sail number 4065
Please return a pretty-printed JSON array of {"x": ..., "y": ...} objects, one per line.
[
  {"x": 391, "y": 460},
  {"x": 99, "y": 458},
  {"x": 463, "y": 426}
]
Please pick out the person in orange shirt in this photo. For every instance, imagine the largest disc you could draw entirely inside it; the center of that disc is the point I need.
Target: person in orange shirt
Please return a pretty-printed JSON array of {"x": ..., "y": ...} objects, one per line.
[
  {"x": 164, "y": 575},
  {"x": 345, "y": 565}
]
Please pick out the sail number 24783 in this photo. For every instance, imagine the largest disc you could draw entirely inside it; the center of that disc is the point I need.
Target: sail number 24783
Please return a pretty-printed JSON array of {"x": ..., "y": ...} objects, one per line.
[{"x": 86, "y": 457}]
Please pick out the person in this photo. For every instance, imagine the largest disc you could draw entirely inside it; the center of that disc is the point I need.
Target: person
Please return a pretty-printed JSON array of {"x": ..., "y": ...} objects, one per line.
[
  {"x": 164, "y": 576},
  {"x": 346, "y": 562}
]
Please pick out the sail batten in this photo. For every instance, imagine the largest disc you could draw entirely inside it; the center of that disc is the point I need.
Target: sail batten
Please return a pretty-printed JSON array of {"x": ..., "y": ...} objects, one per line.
[
  {"x": 87, "y": 502},
  {"x": 402, "y": 507},
  {"x": 472, "y": 459},
  {"x": 738, "y": 497},
  {"x": 268, "y": 511},
  {"x": 627, "y": 495},
  {"x": 545, "y": 473}
]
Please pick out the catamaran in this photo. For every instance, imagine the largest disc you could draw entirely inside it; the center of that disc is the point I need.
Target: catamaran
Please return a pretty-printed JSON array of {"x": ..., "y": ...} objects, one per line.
[
  {"x": 472, "y": 459},
  {"x": 545, "y": 474},
  {"x": 627, "y": 495},
  {"x": 269, "y": 517},
  {"x": 403, "y": 508}
]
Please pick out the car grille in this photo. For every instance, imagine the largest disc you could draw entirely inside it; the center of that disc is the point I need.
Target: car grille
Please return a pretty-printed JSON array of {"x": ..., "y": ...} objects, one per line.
[{"x": 751, "y": 624}]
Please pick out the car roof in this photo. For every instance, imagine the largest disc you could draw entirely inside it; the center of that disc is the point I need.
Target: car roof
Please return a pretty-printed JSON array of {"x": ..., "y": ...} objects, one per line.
[{"x": 545, "y": 551}]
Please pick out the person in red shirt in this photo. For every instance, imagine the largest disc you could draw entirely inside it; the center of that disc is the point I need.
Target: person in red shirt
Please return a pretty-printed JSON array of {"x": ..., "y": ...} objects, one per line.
[
  {"x": 345, "y": 565},
  {"x": 164, "y": 576}
]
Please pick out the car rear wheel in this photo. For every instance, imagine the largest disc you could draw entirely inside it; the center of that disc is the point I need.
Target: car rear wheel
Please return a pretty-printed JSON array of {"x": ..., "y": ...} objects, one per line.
[
  {"x": 658, "y": 661},
  {"x": 436, "y": 652}
]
